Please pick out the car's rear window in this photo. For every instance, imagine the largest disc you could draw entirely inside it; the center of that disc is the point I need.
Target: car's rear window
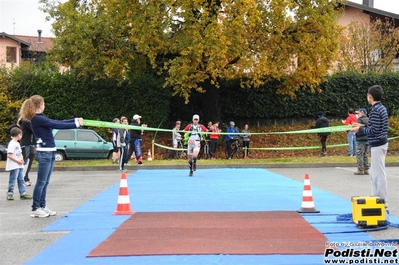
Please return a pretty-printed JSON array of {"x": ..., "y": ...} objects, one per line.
[{"x": 64, "y": 135}]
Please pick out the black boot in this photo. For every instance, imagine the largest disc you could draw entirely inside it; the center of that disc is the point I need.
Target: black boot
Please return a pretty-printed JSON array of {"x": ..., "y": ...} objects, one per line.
[
  {"x": 195, "y": 164},
  {"x": 190, "y": 163}
]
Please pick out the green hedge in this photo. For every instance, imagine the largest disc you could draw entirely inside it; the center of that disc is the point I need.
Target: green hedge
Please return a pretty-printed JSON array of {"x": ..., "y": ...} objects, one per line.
[
  {"x": 339, "y": 93},
  {"x": 70, "y": 96}
]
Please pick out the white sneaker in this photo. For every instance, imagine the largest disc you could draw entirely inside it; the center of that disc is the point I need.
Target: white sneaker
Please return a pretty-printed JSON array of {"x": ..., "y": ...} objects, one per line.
[
  {"x": 39, "y": 213},
  {"x": 50, "y": 212}
]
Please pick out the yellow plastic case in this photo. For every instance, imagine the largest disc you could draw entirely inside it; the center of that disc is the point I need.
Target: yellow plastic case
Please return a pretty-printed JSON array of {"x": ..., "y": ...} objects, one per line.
[{"x": 368, "y": 211}]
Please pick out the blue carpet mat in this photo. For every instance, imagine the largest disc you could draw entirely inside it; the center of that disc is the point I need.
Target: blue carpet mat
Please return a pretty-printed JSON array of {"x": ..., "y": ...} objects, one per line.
[{"x": 208, "y": 190}]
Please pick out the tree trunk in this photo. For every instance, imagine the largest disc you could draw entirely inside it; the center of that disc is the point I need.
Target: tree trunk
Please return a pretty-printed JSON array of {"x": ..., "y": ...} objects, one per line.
[{"x": 209, "y": 102}]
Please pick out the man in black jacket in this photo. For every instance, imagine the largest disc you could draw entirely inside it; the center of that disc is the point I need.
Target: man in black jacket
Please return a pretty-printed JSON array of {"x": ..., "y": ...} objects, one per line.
[
  {"x": 135, "y": 140},
  {"x": 322, "y": 122}
]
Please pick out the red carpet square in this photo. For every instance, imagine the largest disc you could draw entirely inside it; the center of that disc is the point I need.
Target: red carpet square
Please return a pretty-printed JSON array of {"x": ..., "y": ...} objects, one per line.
[{"x": 200, "y": 233}]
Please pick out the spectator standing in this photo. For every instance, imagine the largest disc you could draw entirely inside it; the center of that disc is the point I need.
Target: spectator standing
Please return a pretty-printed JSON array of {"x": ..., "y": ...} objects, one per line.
[
  {"x": 205, "y": 138},
  {"x": 194, "y": 142},
  {"x": 351, "y": 119},
  {"x": 15, "y": 164},
  {"x": 377, "y": 136},
  {"x": 135, "y": 139},
  {"x": 209, "y": 127},
  {"x": 126, "y": 159},
  {"x": 246, "y": 138},
  {"x": 362, "y": 145},
  {"x": 176, "y": 137},
  {"x": 230, "y": 138},
  {"x": 32, "y": 110},
  {"x": 114, "y": 139},
  {"x": 121, "y": 143},
  {"x": 214, "y": 138},
  {"x": 322, "y": 122},
  {"x": 28, "y": 148}
]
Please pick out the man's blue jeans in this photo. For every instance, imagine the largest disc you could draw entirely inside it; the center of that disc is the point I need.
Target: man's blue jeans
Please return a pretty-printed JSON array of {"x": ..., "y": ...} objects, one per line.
[
  {"x": 45, "y": 166},
  {"x": 352, "y": 143},
  {"x": 137, "y": 147},
  {"x": 16, "y": 175}
]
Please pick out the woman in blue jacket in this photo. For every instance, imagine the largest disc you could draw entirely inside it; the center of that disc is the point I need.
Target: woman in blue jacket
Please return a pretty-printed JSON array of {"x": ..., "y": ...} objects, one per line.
[{"x": 32, "y": 110}]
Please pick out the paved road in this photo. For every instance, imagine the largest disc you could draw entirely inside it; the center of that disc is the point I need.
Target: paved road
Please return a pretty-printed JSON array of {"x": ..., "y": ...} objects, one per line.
[{"x": 21, "y": 239}]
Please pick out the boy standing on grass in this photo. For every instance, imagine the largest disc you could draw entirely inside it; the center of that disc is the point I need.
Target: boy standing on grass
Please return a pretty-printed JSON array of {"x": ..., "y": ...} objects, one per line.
[
  {"x": 15, "y": 164},
  {"x": 377, "y": 136}
]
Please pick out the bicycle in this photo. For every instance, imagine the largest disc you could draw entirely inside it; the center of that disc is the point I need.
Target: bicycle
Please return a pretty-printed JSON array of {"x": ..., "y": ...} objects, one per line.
[
  {"x": 181, "y": 154},
  {"x": 178, "y": 154},
  {"x": 236, "y": 149},
  {"x": 205, "y": 150}
]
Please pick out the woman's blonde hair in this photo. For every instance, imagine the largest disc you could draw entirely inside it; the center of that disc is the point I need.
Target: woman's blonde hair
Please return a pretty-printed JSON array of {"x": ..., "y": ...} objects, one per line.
[{"x": 28, "y": 108}]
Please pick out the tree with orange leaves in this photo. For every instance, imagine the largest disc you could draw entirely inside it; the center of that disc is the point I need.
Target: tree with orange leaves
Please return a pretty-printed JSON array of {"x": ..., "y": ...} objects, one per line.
[{"x": 197, "y": 43}]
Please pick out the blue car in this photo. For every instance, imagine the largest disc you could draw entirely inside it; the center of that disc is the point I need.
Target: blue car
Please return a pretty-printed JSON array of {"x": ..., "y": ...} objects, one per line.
[{"x": 81, "y": 144}]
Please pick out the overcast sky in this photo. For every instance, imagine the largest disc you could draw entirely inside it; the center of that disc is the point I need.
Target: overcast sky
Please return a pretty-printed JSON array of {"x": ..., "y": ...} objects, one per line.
[{"x": 23, "y": 17}]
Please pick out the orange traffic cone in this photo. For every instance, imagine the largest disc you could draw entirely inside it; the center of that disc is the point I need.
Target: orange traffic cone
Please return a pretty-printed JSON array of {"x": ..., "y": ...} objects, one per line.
[
  {"x": 307, "y": 198},
  {"x": 149, "y": 158},
  {"x": 123, "y": 206}
]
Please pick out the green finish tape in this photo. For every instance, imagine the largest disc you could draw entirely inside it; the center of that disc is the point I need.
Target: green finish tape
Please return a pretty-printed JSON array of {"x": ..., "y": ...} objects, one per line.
[
  {"x": 105, "y": 124},
  {"x": 170, "y": 148},
  {"x": 296, "y": 148},
  {"x": 341, "y": 128}
]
